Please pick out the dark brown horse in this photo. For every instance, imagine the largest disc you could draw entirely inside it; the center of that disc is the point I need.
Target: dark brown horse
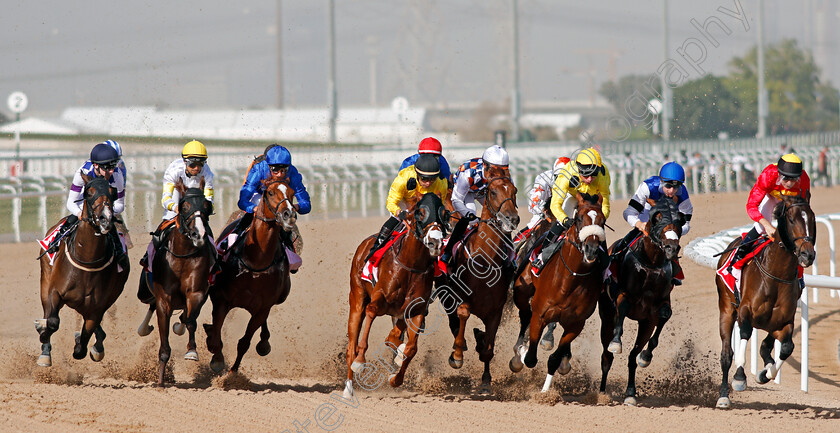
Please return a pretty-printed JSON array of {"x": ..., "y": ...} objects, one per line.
[
  {"x": 769, "y": 294},
  {"x": 645, "y": 272},
  {"x": 402, "y": 291},
  {"x": 480, "y": 272},
  {"x": 181, "y": 270},
  {"x": 84, "y": 275},
  {"x": 256, "y": 276},
  {"x": 566, "y": 291}
]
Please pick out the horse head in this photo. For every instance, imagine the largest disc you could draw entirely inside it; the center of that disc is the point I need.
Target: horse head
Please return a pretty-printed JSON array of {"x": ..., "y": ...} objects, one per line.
[
  {"x": 588, "y": 226},
  {"x": 194, "y": 211},
  {"x": 99, "y": 197},
  {"x": 431, "y": 222},
  {"x": 500, "y": 198},
  {"x": 277, "y": 201},
  {"x": 797, "y": 228},
  {"x": 665, "y": 225}
]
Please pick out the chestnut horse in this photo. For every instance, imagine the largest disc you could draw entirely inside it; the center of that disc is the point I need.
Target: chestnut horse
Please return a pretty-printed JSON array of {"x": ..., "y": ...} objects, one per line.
[
  {"x": 645, "y": 272},
  {"x": 769, "y": 293},
  {"x": 181, "y": 271},
  {"x": 566, "y": 290},
  {"x": 84, "y": 275},
  {"x": 480, "y": 272},
  {"x": 256, "y": 275},
  {"x": 402, "y": 291}
]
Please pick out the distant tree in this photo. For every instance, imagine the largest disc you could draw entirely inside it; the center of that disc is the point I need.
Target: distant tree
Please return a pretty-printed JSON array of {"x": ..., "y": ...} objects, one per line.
[
  {"x": 630, "y": 93},
  {"x": 703, "y": 108}
]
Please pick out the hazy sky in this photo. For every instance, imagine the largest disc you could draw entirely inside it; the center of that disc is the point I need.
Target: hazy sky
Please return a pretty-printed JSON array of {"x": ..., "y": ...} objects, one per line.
[{"x": 223, "y": 54}]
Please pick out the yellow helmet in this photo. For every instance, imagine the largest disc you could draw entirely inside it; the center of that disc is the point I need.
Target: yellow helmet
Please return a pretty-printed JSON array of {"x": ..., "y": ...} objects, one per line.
[
  {"x": 588, "y": 161},
  {"x": 194, "y": 149},
  {"x": 789, "y": 165}
]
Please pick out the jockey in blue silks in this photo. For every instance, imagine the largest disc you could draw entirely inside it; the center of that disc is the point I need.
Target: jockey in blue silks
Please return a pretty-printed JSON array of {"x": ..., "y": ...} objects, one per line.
[{"x": 277, "y": 164}]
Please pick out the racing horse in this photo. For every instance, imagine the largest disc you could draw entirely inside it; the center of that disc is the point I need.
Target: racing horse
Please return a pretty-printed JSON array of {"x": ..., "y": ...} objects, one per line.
[
  {"x": 643, "y": 292},
  {"x": 255, "y": 276},
  {"x": 402, "y": 290},
  {"x": 770, "y": 290},
  {"x": 480, "y": 272},
  {"x": 181, "y": 271},
  {"x": 566, "y": 291},
  {"x": 83, "y": 275}
]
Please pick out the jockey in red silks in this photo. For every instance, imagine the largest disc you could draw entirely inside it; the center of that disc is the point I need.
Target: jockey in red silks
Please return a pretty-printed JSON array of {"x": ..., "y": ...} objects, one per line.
[{"x": 784, "y": 178}]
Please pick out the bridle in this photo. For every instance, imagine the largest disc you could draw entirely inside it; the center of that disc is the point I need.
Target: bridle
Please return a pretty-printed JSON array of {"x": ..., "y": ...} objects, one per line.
[
  {"x": 497, "y": 217},
  {"x": 102, "y": 189},
  {"x": 186, "y": 220},
  {"x": 787, "y": 242},
  {"x": 274, "y": 210}
]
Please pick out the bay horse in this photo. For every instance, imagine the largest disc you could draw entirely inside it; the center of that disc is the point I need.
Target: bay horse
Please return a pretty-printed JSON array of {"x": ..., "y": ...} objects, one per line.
[
  {"x": 480, "y": 272},
  {"x": 566, "y": 290},
  {"x": 403, "y": 290},
  {"x": 645, "y": 273},
  {"x": 769, "y": 293},
  {"x": 181, "y": 271},
  {"x": 255, "y": 277},
  {"x": 84, "y": 275}
]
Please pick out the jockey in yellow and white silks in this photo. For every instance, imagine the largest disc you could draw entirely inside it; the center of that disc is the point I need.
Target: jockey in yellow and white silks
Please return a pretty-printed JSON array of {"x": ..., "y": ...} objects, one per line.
[
  {"x": 191, "y": 168},
  {"x": 414, "y": 180},
  {"x": 586, "y": 175}
]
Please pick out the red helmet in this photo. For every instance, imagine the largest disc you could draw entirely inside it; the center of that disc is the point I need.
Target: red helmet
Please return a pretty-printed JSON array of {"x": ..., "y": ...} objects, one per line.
[{"x": 430, "y": 145}]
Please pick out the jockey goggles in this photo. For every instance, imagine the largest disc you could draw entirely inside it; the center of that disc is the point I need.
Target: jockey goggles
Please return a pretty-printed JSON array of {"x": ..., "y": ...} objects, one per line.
[
  {"x": 108, "y": 165},
  {"x": 277, "y": 168},
  {"x": 790, "y": 178},
  {"x": 672, "y": 184},
  {"x": 195, "y": 161}
]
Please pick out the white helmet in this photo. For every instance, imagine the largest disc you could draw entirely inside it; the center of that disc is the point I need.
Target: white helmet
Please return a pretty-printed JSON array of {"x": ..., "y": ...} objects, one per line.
[{"x": 496, "y": 155}]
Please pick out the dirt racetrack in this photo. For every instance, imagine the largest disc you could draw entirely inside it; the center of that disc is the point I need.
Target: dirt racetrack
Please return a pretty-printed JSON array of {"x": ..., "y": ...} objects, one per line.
[{"x": 304, "y": 372}]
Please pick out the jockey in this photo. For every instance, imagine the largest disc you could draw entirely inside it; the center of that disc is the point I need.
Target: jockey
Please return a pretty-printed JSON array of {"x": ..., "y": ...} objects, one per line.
[
  {"x": 669, "y": 183},
  {"x": 277, "y": 164},
  {"x": 432, "y": 146},
  {"x": 539, "y": 196},
  {"x": 413, "y": 181},
  {"x": 470, "y": 184},
  {"x": 586, "y": 175},
  {"x": 121, "y": 169},
  {"x": 103, "y": 162},
  {"x": 784, "y": 178},
  {"x": 191, "y": 168}
]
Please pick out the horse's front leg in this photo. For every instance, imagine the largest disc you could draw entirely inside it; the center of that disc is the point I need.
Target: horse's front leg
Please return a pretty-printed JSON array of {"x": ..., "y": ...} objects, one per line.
[
  {"x": 47, "y": 326},
  {"x": 358, "y": 303},
  {"x": 396, "y": 380},
  {"x": 726, "y": 324},
  {"x": 522, "y": 300},
  {"x": 771, "y": 367},
  {"x": 189, "y": 318},
  {"x": 561, "y": 358},
  {"x": 264, "y": 347},
  {"x": 485, "y": 346},
  {"x": 83, "y": 337},
  {"x": 214, "y": 332},
  {"x": 606, "y": 311},
  {"x": 646, "y": 355},
  {"x": 257, "y": 320},
  {"x": 646, "y": 328},
  {"x": 164, "y": 313},
  {"x": 394, "y": 340},
  {"x": 371, "y": 312},
  {"x": 456, "y": 358},
  {"x": 97, "y": 351},
  {"x": 622, "y": 307}
]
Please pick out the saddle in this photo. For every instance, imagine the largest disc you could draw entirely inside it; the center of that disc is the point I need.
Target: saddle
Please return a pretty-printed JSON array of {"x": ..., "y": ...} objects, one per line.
[
  {"x": 732, "y": 280},
  {"x": 370, "y": 270}
]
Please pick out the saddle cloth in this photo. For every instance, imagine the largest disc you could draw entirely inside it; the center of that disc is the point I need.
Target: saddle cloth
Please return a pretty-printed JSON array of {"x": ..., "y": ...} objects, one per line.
[
  {"x": 45, "y": 243},
  {"x": 370, "y": 270},
  {"x": 536, "y": 253},
  {"x": 440, "y": 265}
]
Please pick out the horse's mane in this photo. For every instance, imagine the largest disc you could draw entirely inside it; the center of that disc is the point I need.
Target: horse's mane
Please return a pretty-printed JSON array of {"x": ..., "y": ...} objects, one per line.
[{"x": 788, "y": 201}]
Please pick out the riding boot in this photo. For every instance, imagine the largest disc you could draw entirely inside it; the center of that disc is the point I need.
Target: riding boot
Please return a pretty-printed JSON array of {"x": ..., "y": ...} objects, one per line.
[
  {"x": 240, "y": 227},
  {"x": 383, "y": 236},
  {"x": 456, "y": 236},
  {"x": 677, "y": 271},
  {"x": 622, "y": 243},
  {"x": 743, "y": 249},
  {"x": 119, "y": 255},
  {"x": 549, "y": 245},
  {"x": 69, "y": 222}
]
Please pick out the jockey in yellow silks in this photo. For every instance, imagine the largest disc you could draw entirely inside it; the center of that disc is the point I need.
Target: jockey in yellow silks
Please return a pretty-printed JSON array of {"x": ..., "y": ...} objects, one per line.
[
  {"x": 586, "y": 175},
  {"x": 412, "y": 181}
]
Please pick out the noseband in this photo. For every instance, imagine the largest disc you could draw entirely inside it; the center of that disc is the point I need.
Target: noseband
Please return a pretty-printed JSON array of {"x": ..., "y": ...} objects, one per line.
[
  {"x": 496, "y": 213},
  {"x": 275, "y": 210}
]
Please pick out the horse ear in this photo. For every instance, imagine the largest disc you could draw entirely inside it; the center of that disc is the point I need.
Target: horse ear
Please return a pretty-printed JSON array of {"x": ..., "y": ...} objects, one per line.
[
  {"x": 201, "y": 186},
  {"x": 579, "y": 198},
  {"x": 807, "y": 196},
  {"x": 85, "y": 178},
  {"x": 600, "y": 200},
  {"x": 179, "y": 185}
]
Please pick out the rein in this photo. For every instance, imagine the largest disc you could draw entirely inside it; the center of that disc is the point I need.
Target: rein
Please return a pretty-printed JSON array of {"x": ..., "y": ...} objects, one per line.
[
  {"x": 278, "y": 252},
  {"x": 91, "y": 218},
  {"x": 403, "y": 266}
]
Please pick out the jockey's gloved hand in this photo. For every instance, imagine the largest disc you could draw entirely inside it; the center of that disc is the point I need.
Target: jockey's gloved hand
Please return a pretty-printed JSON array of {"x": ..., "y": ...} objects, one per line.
[
  {"x": 471, "y": 217},
  {"x": 402, "y": 215},
  {"x": 574, "y": 181},
  {"x": 567, "y": 222}
]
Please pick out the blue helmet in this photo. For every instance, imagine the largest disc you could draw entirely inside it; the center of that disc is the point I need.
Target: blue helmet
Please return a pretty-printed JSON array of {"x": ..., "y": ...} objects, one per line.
[
  {"x": 672, "y": 171},
  {"x": 115, "y": 145},
  {"x": 278, "y": 155},
  {"x": 103, "y": 153}
]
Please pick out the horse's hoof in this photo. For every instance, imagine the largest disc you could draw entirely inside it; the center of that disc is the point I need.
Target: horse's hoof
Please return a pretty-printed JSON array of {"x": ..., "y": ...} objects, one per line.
[
  {"x": 263, "y": 348},
  {"x": 547, "y": 343},
  {"x": 96, "y": 355},
  {"x": 217, "y": 366},
  {"x": 45, "y": 361},
  {"x": 191, "y": 355},
  {"x": 739, "y": 385},
  {"x": 395, "y": 380},
  {"x": 761, "y": 378},
  {"x": 614, "y": 347},
  {"x": 642, "y": 361},
  {"x": 400, "y": 357},
  {"x": 530, "y": 361},
  {"x": 565, "y": 366},
  {"x": 455, "y": 363},
  {"x": 357, "y": 366},
  {"x": 723, "y": 403},
  {"x": 348, "y": 390},
  {"x": 179, "y": 328},
  {"x": 485, "y": 389},
  {"x": 516, "y": 364},
  {"x": 630, "y": 401},
  {"x": 145, "y": 330}
]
